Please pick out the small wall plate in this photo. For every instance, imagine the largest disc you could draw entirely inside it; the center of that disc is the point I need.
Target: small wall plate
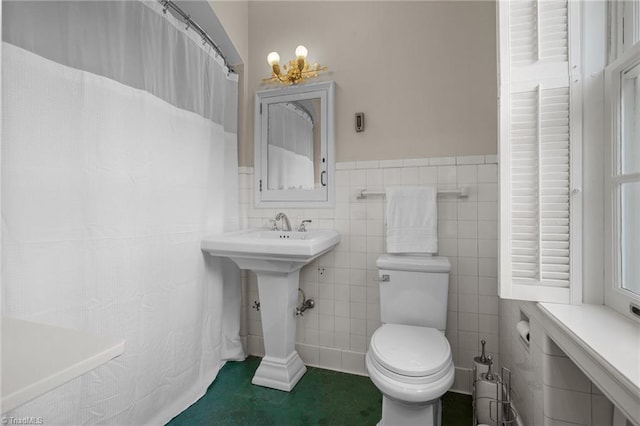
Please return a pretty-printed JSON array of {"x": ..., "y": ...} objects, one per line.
[{"x": 359, "y": 121}]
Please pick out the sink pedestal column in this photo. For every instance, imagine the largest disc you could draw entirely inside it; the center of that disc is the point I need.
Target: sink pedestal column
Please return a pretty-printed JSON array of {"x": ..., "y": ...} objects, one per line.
[{"x": 281, "y": 367}]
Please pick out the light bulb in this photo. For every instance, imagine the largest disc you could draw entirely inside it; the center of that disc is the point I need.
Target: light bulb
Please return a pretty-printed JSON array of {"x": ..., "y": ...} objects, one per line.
[
  {"x": 273, "y": 58},
  {"x": 301, "y": 52}
]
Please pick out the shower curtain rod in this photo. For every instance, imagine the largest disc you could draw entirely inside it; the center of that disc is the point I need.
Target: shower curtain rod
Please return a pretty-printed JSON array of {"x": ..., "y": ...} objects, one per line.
[{"x": 192, "y": 24}]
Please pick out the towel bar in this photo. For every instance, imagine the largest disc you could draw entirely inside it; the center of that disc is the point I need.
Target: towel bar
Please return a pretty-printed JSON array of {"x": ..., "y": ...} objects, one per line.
[{"x": 461, "y": 192}]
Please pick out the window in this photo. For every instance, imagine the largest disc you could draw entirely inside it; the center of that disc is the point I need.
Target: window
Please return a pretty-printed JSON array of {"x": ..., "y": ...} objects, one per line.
[
  {"x": 629, "y": 178},
  {"x": 624, "y": 26},
  {"x": 540, "y": 129},
  {"x": 623, "y": 181},
  {"x": 539, "y": 150}
]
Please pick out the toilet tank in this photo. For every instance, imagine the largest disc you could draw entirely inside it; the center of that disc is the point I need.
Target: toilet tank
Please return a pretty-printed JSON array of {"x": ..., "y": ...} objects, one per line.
[{"x": 414, "y": 290}]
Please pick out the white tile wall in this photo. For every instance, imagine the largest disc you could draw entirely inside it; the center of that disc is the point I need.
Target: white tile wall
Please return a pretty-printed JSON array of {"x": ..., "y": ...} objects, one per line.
[
  {"x": 549, "y": 388},
  {"x": 336, "y": 333}
]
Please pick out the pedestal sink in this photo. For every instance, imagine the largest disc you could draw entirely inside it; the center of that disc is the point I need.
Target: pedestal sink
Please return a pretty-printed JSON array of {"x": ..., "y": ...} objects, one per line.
[{"x": 276, "y": 257}]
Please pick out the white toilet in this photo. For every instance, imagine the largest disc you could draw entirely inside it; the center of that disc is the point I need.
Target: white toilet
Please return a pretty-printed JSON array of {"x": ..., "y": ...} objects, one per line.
[{"x": 409, "y": 358}]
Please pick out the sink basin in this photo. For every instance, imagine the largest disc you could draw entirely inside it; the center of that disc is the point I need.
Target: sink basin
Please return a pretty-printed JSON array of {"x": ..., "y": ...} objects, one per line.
[
  {"x": 271, "y": 250},
  {"x": 276, "y": 257}
]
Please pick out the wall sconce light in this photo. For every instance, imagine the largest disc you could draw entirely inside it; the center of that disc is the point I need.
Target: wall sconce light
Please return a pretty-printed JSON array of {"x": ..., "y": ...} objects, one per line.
[{"x": 297, "y": 71}]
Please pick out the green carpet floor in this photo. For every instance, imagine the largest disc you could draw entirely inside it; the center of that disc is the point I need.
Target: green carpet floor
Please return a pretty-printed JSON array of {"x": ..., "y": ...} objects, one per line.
[{"x": 321, "y": 397}]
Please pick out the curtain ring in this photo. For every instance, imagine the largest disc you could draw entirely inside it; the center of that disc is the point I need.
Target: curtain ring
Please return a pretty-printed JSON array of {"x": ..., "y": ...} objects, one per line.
[
  {"x": 164, "y": 6},
  {"x": 188, "y": 20}
]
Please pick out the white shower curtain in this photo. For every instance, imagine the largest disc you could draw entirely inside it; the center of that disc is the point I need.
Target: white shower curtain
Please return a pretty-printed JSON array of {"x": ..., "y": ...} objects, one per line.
[
  {"x": 288, "y": 170},
  {"x": 110, "y": 178}
]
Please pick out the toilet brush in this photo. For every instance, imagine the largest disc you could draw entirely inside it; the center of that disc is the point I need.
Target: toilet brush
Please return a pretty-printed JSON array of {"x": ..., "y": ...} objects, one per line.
[{"x": 481, "y": 363}]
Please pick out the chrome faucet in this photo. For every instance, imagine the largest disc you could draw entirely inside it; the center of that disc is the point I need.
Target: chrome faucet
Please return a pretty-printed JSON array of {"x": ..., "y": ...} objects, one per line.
[
  {"x": 286, "y": 225},
  {"x": 303, "y": 225}
]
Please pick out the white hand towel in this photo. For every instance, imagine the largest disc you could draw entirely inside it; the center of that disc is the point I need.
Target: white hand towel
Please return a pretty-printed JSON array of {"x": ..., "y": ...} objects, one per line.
[{"x": 412, "y": 219}]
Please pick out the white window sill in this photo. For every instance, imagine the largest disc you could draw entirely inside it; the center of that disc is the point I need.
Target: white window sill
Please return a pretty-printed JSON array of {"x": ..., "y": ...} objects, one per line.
[
  {"x": 604, "y": 345},
  {"x": 37, "y": 358}
]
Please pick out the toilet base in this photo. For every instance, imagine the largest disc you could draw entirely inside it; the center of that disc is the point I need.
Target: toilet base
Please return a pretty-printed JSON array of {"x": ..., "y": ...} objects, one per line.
[{"x": 397, "y": 413}]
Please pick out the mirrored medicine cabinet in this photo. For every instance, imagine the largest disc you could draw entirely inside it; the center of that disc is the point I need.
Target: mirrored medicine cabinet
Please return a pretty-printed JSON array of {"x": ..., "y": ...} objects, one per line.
[{"x": 294, "y": 146}]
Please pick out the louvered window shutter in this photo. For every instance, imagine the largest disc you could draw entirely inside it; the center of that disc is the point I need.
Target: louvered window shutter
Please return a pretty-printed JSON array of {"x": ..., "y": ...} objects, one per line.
[{"x": 536, "y": 140}]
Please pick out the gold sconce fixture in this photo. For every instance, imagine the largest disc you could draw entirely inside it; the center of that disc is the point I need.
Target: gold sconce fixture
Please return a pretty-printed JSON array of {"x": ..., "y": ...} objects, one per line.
[{"x": 298, "y": 70}]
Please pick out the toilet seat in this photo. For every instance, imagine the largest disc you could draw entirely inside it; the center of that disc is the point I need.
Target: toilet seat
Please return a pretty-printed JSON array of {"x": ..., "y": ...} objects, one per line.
[
  {"x": 403, "y": 366},
  {"x": 410, "y": 350}
]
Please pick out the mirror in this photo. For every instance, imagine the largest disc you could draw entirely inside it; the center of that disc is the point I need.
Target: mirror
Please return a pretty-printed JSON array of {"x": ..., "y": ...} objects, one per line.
[{"x": 294, "y": 146}]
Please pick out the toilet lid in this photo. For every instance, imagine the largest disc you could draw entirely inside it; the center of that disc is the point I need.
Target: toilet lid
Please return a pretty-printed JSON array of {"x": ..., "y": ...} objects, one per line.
[{"x": 409, "y": 350}]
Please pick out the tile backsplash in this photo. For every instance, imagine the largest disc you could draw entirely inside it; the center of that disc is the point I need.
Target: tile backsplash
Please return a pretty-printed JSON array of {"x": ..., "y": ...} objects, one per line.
[
  {"x": 548, "y": 388},
  {"x": 336, "y": 333}
]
